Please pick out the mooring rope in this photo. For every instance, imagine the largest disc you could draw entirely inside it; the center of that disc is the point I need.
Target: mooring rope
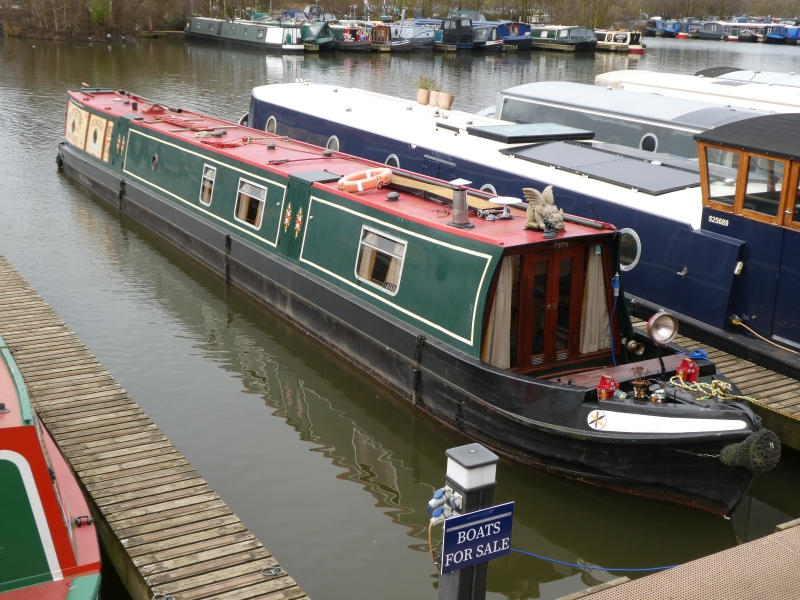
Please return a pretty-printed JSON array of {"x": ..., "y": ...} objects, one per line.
[{"x": 589, "y": 568}]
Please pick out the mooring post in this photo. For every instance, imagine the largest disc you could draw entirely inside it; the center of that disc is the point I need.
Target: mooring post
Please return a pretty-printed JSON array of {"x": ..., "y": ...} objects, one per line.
[{"x": 471, "y": 472}]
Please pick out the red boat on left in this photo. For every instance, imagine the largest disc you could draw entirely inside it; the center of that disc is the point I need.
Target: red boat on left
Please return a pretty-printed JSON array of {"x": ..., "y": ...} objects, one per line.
[{"x": 48, "y": 542}]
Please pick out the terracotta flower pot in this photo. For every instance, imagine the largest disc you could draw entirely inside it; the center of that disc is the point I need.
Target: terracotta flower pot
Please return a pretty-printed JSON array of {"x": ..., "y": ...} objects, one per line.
[
  {"x": 423, "y": 96},
  {"x": 446, "y": 100},
  {"x": 434, "y": 98}
]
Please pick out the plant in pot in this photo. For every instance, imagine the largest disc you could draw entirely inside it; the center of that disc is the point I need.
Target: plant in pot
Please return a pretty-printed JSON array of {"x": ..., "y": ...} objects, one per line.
[
  {"x": 434, "y": 98},
  {"x": 446, "y": 100},
  {"x": 425, "y": 84}
]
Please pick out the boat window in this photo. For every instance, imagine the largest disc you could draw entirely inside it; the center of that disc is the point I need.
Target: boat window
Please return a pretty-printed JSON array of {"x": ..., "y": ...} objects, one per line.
[
  {"x": 564, "y": 294},
  {"x": 796, "y": 208},
  {"x": 207, "y": 184},
  {"x": 244, "y": 33},
  {"x": 465, "y": 22},
  {"x": 630, "y": 249},
  {"x": 260, "y": 34},
  {"x": 764, "y": 182},
  {"x": 250, "y": 203},
  {"x": 488, "y": 187},
  {"x": 272, "y": 124},
  {"x": 392, "y": 161},
  {"x": 649, "y": 142},
  {"x": 333, "y": 143},
  {"x": 723, "y": 167},
  {"x": 199, "y": 25},
  {"x": 564, "y": 33},
  {"x": 380, "y": 260},
  {"x": 233, "y": 29},
  {"x": 211, "y": 27},
  {"x": 595, "y": 330}
]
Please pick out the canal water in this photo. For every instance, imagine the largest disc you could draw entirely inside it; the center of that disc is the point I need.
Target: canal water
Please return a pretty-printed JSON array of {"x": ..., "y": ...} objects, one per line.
[{"x": 328, "y": 469}]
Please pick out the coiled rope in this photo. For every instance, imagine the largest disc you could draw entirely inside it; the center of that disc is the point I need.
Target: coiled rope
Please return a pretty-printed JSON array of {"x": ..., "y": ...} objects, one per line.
[{"x": 716, "y": 389}]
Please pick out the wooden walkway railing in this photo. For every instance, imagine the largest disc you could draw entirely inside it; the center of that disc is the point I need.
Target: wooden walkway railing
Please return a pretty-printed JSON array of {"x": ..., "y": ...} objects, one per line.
[{"x": 165, "y": 530}]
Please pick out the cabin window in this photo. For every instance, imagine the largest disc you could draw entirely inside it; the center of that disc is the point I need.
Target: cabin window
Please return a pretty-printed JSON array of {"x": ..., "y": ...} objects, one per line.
[
  {"x": 564, "y": 33},
  {"x": 250, "y": 203},
  {"x": 211, "y": 27},
  {"x": 764, "y": 183},
  {"x": 630, "y": 249},
  {"x": 272, "y": 124},
  {"x": 380, "y": 260},
  {"x": 199, "y": 25},
  {"x": 723, "y": 167},
  {"x": 260, "y": 34},
  {"x": 489, "y": 188},
  {"x": 333, "y": 143},
  {"x": 392, "y": 161},
  {"x": 233, "y": 29},
  {"x": 207, "y": 184},
  {"x": 244, "y": 33},
  {"x": 465, "y": 22},
  {"x": 449, "y": 25},
  {"x": 649, "y": 142},
  {"x": 595, "y": 330}
]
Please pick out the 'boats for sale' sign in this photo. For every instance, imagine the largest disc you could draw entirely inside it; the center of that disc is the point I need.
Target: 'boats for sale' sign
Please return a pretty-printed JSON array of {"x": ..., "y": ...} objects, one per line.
[{"x": 477, "y": 537}]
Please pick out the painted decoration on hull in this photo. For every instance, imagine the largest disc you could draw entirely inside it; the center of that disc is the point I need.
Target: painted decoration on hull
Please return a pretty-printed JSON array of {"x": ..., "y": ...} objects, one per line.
[
  {"x": 95, "y": 142},
  {"x": 596, "y": 419},
  {"x": 77, "y": 123}
]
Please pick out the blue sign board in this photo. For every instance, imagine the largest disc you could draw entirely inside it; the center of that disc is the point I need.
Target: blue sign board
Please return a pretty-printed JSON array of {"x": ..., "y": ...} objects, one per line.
[{"x": 477, "y": 537}]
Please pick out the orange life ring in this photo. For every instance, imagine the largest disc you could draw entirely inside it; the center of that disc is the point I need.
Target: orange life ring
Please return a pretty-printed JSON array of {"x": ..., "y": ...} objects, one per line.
[{"x": 365, "y": 181}]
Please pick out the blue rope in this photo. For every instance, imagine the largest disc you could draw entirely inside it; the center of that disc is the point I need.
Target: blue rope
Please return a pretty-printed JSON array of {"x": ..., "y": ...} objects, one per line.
[
  {"x": 698, "y": 354},
  {"x": 588, "y": 568},
  {"x": 611, "y": 331}
]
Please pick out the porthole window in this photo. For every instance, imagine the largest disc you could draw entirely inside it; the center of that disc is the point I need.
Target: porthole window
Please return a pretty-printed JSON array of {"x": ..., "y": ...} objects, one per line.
[
  {"x": 333, "y": 143},
  {"x": 392, "y": 161},
  {"x": 488, "y": 188},
  {"x": 272, "y": 125},
  {"x": 154, "y": 162},
  {"x": 260, "y": 34},
  {"x": 207, "y": 184},
  {"x": 649, "y": 143},
  {"x": 250, "y": 203},
  {"x": 380, "y": 260},
  {"x": 630, "y": 249}
]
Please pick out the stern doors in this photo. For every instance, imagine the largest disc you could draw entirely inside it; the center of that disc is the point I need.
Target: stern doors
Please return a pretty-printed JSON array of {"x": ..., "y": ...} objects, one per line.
[
  {"x": 295, "y": 210},
  {"x": 550, "y": 299}
]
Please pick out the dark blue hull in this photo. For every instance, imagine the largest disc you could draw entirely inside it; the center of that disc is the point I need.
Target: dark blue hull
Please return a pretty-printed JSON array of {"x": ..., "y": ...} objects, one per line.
[{"x": 687, "y": 271}]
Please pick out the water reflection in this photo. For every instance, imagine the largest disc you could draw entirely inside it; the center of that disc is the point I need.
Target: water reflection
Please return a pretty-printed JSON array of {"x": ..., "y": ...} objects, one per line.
[{"x": 325, "y": 466}]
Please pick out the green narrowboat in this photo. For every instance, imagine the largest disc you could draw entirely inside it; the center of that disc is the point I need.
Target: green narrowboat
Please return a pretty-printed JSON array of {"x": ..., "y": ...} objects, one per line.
[
  {"x": 565, "y": 38},
  {"x": 511, "y": 328},
  {"x": 317, "y": 36},
  {"x": 48, "y": 542}
]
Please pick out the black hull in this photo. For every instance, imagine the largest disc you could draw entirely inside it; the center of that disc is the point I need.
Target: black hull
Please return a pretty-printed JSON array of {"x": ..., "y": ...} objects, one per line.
[{"x": 454, "y": 388}]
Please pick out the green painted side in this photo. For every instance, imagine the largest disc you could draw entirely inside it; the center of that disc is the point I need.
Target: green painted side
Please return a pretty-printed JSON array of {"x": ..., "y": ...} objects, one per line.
[
  {"x": 179, "y": 176},
  {"x": 440, "y": 282},
  {"x": 19, "y": 383},
  {"x": 25, "y": 562},
  {"x": 445, "y": 279},
  {"x": 84, "y": 588}
]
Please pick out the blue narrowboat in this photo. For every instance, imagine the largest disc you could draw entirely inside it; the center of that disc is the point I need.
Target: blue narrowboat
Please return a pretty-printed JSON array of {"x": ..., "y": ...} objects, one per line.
[{"x": 514, "y": 35}]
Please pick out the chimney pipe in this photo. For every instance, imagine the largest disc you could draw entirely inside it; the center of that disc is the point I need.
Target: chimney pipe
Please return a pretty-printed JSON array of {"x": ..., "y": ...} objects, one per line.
[{"x": 460, "y": 205}]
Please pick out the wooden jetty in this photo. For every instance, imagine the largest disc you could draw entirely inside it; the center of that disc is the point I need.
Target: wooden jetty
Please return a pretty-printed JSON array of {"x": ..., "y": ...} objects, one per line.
[
  {"x": 775, "y": 397},
  {"x": 165, "y": 530},
  {"x": 766, "y": 568}
]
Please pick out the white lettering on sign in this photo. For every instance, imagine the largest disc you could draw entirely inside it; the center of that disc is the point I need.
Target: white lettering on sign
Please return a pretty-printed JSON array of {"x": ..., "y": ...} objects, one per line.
[
  {"x": 718, "y": 220},
  {"x": 478, "y": 532},
  {"x": 493, "y": 547}
]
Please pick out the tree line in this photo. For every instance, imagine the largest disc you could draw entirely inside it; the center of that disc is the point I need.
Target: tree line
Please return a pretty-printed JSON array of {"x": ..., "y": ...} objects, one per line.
[{"x": 80, "y": 18}]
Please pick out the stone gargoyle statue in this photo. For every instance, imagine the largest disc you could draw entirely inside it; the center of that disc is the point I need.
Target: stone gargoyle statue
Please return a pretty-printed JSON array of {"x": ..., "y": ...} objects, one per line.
[{"x": 541, "y": 206}]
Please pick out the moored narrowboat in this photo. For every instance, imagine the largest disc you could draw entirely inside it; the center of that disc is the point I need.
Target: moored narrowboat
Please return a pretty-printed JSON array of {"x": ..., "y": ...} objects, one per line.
[
  {"x": 512, "y": 328},
  {"x": 383, "y": 41},
  {"x": 454, "y": 35},
  {"x": 611, "y": 40},
  {"x": 557, "y": 37},
  {"x": 317, "y": 36},
  {"x": 420, "y": 33},
  {"x": 274, "y": 35},
  {"x": 351, "y": 37},
  {"x": 50, "y": 548}
]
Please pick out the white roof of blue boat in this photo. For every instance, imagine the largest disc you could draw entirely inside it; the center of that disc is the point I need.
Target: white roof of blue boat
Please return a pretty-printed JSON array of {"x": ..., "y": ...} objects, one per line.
[
  {"x": 693, "y": 114},
  {"x": 446, "y": 133},
  {"x": 763, "y": 77},
  {"x": 747, "y": 96}
]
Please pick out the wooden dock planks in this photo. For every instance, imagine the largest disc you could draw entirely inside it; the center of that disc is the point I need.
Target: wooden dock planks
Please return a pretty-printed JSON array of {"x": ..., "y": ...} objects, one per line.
[
  {"x": 165, "y": 530},
  {"x": 775, "y": 397}
]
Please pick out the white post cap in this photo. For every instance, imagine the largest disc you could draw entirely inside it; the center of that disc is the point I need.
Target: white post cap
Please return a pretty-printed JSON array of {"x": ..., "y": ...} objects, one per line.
[{"x": 472, "y": 466}]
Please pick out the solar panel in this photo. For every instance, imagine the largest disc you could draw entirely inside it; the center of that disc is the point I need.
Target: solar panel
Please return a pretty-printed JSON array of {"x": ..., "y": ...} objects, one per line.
[
  {"x": 529, "y": 132},
  {"x": 612, "y": 168}
]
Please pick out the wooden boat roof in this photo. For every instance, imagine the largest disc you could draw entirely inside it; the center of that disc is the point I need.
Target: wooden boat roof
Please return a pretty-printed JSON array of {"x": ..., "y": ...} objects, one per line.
[
  {"x": 290, "y": 157},
  {"x": 772, "y": 135}
]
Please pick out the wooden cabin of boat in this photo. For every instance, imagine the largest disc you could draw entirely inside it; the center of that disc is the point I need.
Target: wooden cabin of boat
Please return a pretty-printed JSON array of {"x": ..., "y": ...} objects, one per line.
[
  {"x": 750, "y": 178},
  {"x": 50, "y": 549},
  {"x": 619, "y": 41},
  {"x": 558, "y": 37}
]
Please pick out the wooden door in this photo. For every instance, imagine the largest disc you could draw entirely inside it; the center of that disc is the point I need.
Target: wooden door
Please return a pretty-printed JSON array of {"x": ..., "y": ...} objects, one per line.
[{"x": 551, "y": 297}]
